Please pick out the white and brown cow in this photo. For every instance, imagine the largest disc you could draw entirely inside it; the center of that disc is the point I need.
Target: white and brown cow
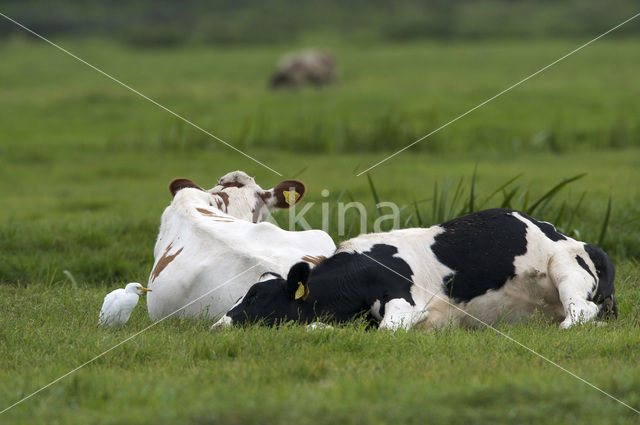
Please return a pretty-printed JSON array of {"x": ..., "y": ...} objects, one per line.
[
  {"x": 217, "y": 238},
  {"x": 491, "y": 266}
]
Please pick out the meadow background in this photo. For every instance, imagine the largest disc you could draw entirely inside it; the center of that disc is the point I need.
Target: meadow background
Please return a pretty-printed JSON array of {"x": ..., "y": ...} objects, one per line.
[{"x": 85, "y": 164}]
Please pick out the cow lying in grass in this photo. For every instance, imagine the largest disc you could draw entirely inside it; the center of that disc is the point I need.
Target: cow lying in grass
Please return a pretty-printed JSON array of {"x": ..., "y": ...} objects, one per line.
[
  {"x": 491, "y": 266},
  {"x": 217, "y": 239}
]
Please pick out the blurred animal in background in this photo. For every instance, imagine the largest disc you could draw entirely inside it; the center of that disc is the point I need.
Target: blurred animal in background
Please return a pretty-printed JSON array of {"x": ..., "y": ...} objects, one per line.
[
  {"x": 118, "y": 304},
  {"x": 306, "y": 68}
]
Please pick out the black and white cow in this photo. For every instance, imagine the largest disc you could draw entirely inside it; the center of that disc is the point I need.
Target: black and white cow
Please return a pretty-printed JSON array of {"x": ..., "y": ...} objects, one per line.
[{"x": 491, "y": 266}]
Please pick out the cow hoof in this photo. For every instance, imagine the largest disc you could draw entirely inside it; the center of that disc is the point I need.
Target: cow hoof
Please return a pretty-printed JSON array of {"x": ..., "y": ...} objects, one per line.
[{"x": 566, "y": 324}]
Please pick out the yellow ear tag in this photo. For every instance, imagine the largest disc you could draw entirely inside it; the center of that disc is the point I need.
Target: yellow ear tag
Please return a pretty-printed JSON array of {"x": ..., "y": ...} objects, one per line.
[
  {"x": 290, "y": 197},
  {"x": 301, "y": 292}
]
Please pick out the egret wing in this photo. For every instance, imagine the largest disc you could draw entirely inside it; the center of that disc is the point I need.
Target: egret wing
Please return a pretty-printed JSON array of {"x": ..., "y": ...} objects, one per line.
[{"x": 109, "y": 307}]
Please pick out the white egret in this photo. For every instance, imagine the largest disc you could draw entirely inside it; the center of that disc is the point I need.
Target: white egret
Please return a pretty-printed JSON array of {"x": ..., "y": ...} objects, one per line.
[{"x": 119, "y": 304}]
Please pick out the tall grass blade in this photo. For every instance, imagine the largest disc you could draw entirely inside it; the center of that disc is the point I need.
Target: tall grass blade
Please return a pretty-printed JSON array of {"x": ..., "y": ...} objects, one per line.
[
  {"x": 456, "y": 196},
  {"x": 444, "y": 195},
  {"x": 575, "y": 210},
  {"x": 434, "y": 205},
  {"x": 472, "y": 194},
  {"x": 376, "y": 199},
  {"x": 72, "y": 279},
  {"x": 300, "y": 171},
  {"x": 507, "y": 197},
  {"x": 350, "y": 196},
  {"x": 551, "y": 193},
  {"x": 560, "y": 213},
  {"x": 525, "y": 201},
  {"x": 344, "y": 189},
  {"x": 605, "y": 223},
  {"x": 418, "y": 216},
  {"x": 498, "y": 190}
]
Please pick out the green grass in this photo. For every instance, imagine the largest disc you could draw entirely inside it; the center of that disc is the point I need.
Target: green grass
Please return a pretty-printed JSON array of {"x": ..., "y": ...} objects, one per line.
[
  {"x": 84, "y": 169},
  {"x": 180, "y": 372},
  {"x": 96, "y": 214}
]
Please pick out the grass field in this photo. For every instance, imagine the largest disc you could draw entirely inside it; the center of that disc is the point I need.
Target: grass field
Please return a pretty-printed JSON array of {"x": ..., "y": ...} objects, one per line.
[
  {"x": 84, "y": 168},
  {"x": 389, "y": 94}
]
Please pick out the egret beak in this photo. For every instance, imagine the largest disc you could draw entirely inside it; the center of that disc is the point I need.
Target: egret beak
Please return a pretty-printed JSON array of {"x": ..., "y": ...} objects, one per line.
[{"x": 145, "y": 290}]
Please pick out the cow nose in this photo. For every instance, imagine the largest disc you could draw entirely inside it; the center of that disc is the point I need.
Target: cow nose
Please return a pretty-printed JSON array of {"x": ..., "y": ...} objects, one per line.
[{"x": 224, "y": 322}]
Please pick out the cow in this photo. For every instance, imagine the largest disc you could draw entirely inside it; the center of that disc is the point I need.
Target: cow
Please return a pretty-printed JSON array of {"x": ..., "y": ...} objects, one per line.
[
  {"x": 497, "y": 265},
  {"x": 308, "y": 67},
  {"x": 218, "y": 238}
]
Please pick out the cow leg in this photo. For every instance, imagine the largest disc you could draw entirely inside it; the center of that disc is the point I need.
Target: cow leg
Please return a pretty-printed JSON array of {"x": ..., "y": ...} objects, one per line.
[
  {"x": 574, "y": 285},
  {"x": 399, "y": 314}
]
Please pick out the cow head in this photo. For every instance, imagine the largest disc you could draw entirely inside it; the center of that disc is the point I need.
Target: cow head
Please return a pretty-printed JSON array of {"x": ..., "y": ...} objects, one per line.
[
  {"x": 238, "y": 195},
  {"x": 604, "y": 291},
  {"x": 274, "y": 300}
]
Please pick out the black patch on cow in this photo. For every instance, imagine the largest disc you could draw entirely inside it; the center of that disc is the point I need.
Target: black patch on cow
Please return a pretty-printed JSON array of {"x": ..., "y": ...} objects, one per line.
[
  {"x": 606, "y": 274},
  {"x": 348, "y": 283},
  {"x": 548, "y": 229},
  {"x": 341, "y": 288},
  {"x": 584, "y": 265},
  {"x": 481, "y": 249}
]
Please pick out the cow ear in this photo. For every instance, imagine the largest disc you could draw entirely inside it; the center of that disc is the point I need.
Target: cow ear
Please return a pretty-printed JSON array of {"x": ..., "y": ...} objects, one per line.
[
  {"x": 297, "y": 278},
  {"x": 268, "y": 276},
  {"x": 177, "y": 184},
  {"x": 285, "y": 195}
]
